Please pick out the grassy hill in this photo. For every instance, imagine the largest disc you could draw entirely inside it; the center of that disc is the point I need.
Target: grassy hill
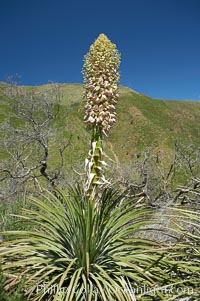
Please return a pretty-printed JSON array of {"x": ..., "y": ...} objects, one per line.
[{"x": 142, "y": 122}]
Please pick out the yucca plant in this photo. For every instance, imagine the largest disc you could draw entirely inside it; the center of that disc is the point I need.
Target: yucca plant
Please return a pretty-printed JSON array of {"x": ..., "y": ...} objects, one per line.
[
  {"x": 87, "y": 244},
  {"x": 83, "y": 250}
]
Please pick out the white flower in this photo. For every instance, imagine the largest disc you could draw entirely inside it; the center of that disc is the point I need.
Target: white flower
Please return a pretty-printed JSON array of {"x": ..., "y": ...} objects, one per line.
[{"x": 91, "y": 119}]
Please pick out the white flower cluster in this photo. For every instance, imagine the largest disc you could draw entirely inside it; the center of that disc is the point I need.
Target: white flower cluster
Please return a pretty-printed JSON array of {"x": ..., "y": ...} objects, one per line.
[{"x": 101, "y": 76}]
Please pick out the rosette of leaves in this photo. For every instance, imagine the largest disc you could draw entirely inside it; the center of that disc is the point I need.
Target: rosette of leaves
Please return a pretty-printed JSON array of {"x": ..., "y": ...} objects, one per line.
[
  {"x": 91, "y": 251},
  {"x": 101, "y": 75}
]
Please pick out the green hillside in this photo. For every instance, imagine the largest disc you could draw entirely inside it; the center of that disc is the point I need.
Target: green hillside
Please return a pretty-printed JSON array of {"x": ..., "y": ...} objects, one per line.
[{"x": 141, "y": 122}]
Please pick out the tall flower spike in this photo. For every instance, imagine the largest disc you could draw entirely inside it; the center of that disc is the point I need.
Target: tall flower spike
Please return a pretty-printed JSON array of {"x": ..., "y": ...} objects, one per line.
[{"x": 101, "y": 75}]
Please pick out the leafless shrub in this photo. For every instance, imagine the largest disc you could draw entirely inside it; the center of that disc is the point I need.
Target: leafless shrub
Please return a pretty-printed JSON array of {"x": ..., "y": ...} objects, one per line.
[{"x": 26, "y": 137}]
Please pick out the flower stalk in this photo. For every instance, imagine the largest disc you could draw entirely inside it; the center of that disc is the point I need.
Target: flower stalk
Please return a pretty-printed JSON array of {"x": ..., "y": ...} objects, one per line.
[{"x": 101, "y": 76}]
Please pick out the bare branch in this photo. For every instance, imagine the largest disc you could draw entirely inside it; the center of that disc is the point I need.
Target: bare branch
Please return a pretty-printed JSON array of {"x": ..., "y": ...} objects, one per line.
[{"x": 26, "y": 146}]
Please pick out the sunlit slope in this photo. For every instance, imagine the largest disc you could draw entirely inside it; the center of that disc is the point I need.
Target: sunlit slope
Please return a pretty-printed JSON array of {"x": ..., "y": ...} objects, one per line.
[{"x": 142, "y": 122}]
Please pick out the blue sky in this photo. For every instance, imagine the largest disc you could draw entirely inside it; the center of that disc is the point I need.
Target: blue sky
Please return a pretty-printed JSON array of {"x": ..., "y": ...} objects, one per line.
[{"x": 159, "y": 41}]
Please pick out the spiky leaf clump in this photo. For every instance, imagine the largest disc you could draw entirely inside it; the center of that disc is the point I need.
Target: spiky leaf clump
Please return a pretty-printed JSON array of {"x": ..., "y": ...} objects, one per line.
[
  {"x": 81, "y": 250},
  {"x": 101, "y": 76}
]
